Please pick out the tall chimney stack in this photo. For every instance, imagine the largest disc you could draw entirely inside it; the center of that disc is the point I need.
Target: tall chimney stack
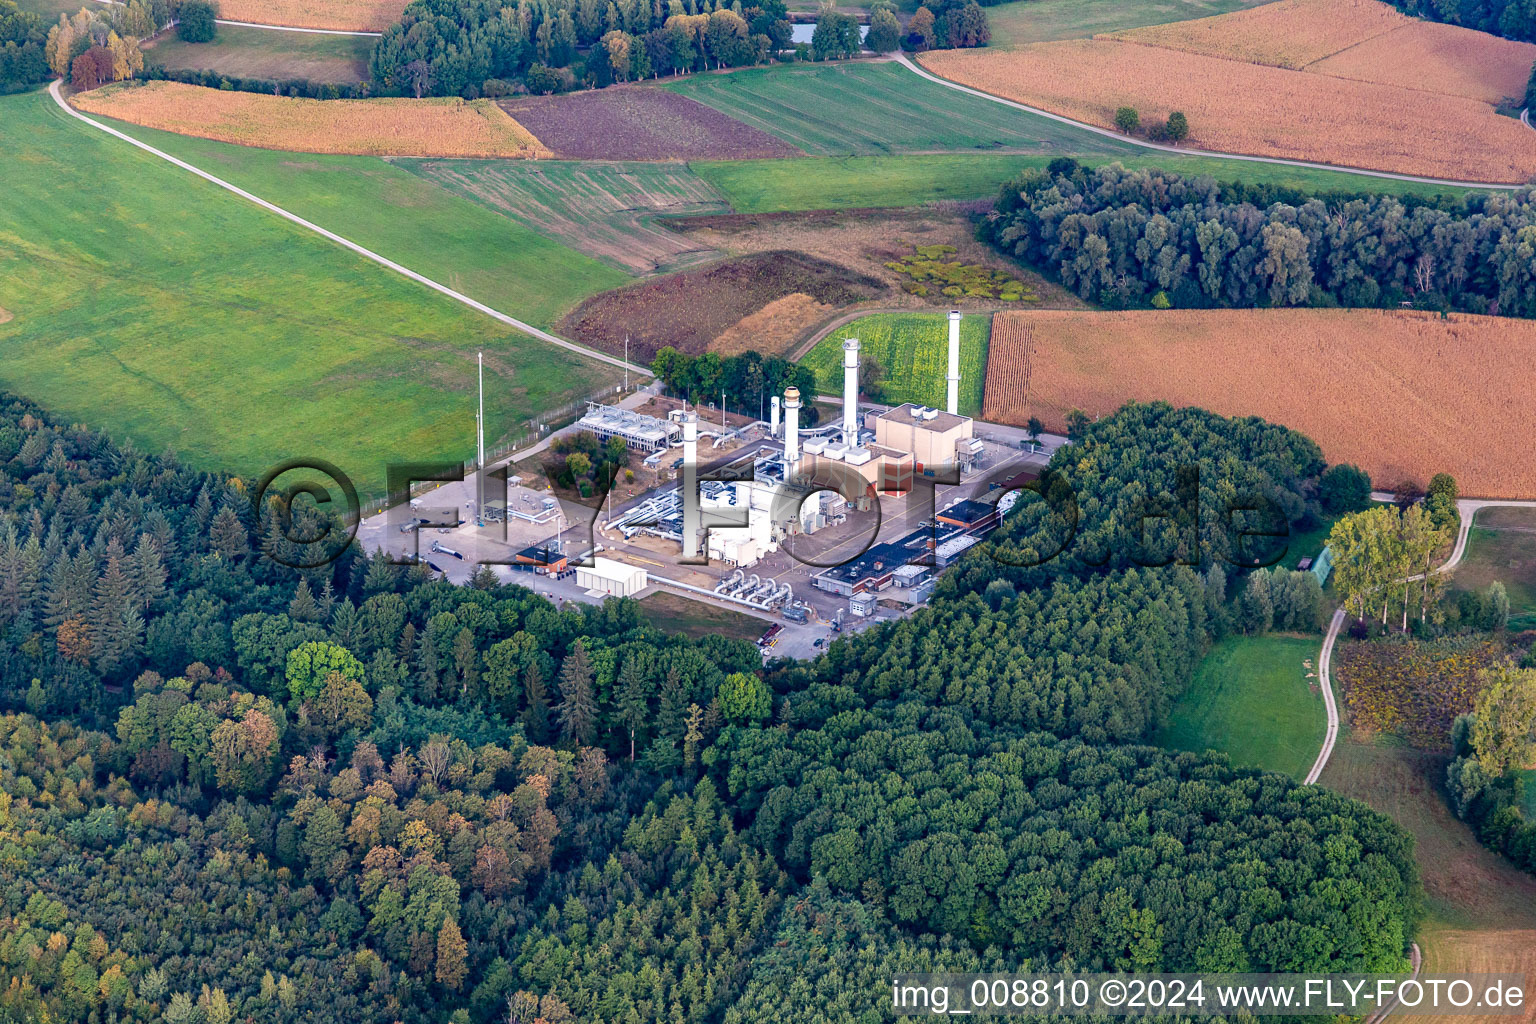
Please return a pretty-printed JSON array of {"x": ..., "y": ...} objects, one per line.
[
  {"x": 691, "y": 515},
  {"x": 851, "y": 392},
  {"x": 791, "y": 428},
  {"x": 773, "y": 422},
  {"x": 952, "y": 395}
]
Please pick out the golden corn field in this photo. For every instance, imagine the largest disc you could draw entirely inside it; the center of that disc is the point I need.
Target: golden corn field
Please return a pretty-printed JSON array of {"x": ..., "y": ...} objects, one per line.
[
  {"x": 1402, "y": 394},
  {"x": 1288, "y": 34},
  {"x": 1437, "y": 58},
  {"x": 376, "y": 127},
  {"x": 1379, "y": 90},
  {"x": 345, "y": 15}
]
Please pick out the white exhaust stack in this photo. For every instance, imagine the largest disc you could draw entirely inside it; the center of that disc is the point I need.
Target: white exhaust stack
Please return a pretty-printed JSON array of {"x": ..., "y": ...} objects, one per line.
[
  {"x": 690, "y": 485},
  {"x": 952, "y": 396},
  {"x": 851, "y": 392},
  {"x": 791, "y": 428},
  {"x": 773, "y": 423}
]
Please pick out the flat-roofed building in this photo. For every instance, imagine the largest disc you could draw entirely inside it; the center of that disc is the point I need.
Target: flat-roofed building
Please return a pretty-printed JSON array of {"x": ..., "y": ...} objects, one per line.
[
  {"x": 932, "y": 436},
  {"x": 612, "y": 577}
]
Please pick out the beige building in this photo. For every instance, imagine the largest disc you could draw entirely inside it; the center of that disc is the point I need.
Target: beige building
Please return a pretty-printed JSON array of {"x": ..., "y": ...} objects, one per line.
[
  {"x": 932, "y": 436},
  {"x": 607, "y": 576}
]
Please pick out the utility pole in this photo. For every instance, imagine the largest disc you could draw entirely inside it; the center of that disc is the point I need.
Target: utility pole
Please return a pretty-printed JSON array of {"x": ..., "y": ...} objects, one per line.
[
  {"x": 480, "y": 442},
  {"x": 626, "y": 362}
]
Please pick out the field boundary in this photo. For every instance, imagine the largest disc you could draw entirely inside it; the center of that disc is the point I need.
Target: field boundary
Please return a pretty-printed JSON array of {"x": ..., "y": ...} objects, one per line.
[
  {"x": 1213, "y": 154},
  {"x": 384, "y": 261}
]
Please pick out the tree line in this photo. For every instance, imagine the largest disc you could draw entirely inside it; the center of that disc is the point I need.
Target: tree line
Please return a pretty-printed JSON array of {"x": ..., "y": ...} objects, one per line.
[
  {"x": 475, "y": 48},
  {"x": 1153, "y": 238},
  {"x": 359, "y": 793},
  {"x": 746, "y": 382}
]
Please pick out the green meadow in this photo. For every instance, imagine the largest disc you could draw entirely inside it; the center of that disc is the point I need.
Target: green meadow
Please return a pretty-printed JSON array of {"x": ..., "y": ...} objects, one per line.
[{"x": 150, "y": 303}]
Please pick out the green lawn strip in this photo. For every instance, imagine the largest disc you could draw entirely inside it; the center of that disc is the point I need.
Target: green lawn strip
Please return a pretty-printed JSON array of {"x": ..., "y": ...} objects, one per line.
[
  {"x": 867, "y": 108},
  {"x": 913, "y": 349},
  {"x": 850, "y": 182},
  {"x": 1251, "y": 699},
  {"x": 160, "y": 307},
  {"x": 409, "y": 220},
  {"x": 1502, "y": 553}
]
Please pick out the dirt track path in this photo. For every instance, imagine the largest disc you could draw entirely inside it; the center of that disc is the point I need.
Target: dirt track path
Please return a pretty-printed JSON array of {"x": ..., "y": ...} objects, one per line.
[
  {"x": 383, "y": 261},
  {"x": 1185, "y": 151}
]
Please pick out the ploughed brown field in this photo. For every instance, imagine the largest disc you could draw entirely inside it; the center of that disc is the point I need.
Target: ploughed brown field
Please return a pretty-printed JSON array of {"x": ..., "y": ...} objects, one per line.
[
  {"x": 343, "y": 15},
  {"x": 641, "y": 123},
  {"x": 1402, "y": 394},
  {"x": 688, "y": 310},
  {"x": 1347, "y": 82},
  {"x": 374, "y": 127}
]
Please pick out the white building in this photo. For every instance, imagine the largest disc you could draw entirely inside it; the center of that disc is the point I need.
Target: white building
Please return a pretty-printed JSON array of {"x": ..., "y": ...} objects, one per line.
[{"x": 607, "y": 576}]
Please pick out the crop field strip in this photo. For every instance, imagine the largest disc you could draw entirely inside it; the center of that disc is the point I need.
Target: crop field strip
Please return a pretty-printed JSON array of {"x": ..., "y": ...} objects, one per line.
[
  {"x": 869, "y": 108},
  {"x": 640, "y": 122},
  {"x": 185, "y": 318},
  {"x": 606, "y": 210},
  {"x": 406, "y": 218},
  {"x": 1402, "y": 394},
  {"x": 374, "y": 127}
]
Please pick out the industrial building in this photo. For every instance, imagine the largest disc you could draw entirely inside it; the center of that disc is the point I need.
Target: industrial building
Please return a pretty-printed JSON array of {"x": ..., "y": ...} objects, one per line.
[
  {"x": 614, "y": 578},
  {"x": 971, "y": 515},
  {"x": 642, "y": 433}
]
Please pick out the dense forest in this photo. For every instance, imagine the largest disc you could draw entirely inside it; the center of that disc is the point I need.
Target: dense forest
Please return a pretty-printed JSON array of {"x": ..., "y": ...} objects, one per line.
[
  {"x": 237, "y": 792},
  {"x": 1148, "y": 237},
  {"x": 22, "y": 35}
]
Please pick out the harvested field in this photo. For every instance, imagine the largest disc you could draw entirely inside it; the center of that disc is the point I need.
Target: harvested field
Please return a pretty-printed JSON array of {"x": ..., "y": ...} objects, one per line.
[
  {"x": 777, "y": 324},
  {"x": 262, "y": 53},
  {"x": 1250, "y": 108},
  {"x": 1361, "y": 40},
  {"x": 1437, "y": 58},
  {"x": 606, "y": 210},
  {"x": 1402, "y": 394},
  {"x": 376, "y": 127},
  {"x": 344, "y": 15},
  {"x": 690, "y": 309},
  {"x": 641, "y": 123},
  {"x": 1288, "y": 34}
]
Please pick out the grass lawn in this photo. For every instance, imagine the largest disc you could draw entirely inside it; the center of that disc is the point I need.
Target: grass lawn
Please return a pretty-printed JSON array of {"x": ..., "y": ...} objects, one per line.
[
  {"x": 867, "y": 108},
  {"x": 913, "y": 349},
  {"x": 1037, "y": 21},
  {"x": 694, "y": 619},
  {"x": 262, "y": 53},
  {"x": 1251, "y": 699},
  {"x": 1502, "y": 546},
  {"x": 49, "y": 10},
  {"x": 407, "y": 219},
  {"x": 774, "y": 186},
  {"x": 1481, "y": 908},
  {"x": 166, "y": 310}
]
